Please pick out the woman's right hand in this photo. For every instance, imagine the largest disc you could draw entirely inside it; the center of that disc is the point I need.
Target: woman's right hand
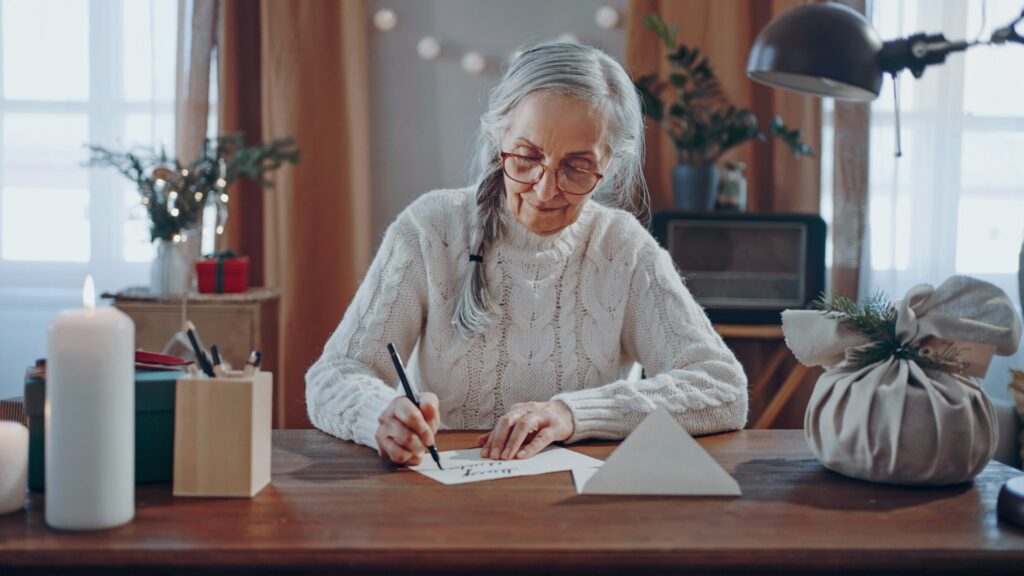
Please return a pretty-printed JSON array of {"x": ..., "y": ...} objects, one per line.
[{"x": 404, "y": 431}]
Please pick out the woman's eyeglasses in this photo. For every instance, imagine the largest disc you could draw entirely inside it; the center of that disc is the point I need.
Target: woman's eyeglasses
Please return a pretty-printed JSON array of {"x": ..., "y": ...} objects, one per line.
[{"x": 526, "y": 170}]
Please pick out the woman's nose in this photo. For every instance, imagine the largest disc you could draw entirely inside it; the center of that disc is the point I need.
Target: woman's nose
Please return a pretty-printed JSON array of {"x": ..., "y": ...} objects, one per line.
[{"x": 546, "y": 188}]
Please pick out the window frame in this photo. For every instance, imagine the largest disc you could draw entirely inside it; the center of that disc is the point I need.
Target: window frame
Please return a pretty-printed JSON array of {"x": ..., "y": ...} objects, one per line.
[{"x": 106, "y": 111}]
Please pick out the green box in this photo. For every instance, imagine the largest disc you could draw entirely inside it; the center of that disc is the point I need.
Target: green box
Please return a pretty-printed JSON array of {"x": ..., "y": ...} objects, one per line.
[{"x": 154, "y": 428}]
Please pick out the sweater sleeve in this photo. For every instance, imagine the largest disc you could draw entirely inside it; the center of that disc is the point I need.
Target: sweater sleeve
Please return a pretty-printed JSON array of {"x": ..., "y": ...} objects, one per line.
[
  {"x": 353, "y": 381},
  {"x": 691, "y": 372}
]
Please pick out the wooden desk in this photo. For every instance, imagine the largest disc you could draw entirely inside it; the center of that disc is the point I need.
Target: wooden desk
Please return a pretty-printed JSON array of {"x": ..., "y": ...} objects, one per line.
[{"x": 336, "y": 508}]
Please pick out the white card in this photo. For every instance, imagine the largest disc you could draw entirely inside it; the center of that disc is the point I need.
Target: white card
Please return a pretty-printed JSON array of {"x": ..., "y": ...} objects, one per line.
[
  {"x": 581, "y": 475},
  {"x": 464, "y": 466},
  {"x": 660, "y": 457}
]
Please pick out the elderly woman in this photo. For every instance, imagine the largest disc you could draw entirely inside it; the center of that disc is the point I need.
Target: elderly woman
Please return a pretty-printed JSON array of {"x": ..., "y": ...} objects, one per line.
[{"x": 530, "y": 294}]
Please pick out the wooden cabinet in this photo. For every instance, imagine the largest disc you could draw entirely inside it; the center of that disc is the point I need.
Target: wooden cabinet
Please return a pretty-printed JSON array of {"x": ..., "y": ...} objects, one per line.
[
  {"x": 779, "y": 386},
  {"x": 236, "y": 323}
]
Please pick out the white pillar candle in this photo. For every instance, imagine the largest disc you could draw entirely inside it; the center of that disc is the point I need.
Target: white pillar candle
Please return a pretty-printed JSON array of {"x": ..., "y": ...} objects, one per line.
[
  {"x": 90, "y": 417},
  {"x": 13, "y": 466}
]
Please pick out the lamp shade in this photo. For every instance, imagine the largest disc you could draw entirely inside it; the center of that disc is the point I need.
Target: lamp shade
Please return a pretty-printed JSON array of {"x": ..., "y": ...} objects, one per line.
[{"x": 819, "y": 49}]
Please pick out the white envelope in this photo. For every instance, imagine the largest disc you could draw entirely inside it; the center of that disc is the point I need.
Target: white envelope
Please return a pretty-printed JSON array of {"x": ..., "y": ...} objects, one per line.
[{"x": 660, "y": 458}]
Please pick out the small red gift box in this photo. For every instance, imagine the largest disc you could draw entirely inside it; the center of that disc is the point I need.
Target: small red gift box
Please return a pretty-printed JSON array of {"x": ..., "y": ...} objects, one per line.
[{"x": 222, "y": 273}]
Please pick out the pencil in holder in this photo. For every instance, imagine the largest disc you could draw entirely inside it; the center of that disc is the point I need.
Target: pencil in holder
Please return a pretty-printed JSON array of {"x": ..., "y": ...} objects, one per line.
[{"x": 222, "y": 435}]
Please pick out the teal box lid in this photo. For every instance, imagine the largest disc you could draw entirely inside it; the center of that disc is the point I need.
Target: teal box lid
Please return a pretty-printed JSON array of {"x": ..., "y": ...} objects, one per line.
[{"x": 154, "y": 392}]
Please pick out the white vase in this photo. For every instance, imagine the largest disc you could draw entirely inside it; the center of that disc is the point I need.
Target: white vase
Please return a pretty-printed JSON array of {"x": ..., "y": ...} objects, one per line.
[
  {"x": 169, "y": 273},
  {"x": 1020, "y": 277}
]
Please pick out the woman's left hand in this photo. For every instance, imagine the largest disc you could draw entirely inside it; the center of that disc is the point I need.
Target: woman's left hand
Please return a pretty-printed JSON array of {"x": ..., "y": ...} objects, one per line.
[{"x": 526, "y": 429}]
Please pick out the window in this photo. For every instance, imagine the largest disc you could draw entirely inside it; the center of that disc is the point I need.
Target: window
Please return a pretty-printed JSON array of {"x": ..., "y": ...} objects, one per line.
[
  {"x": 954, "y": 202},
  {"x": 74, "y": 72}
]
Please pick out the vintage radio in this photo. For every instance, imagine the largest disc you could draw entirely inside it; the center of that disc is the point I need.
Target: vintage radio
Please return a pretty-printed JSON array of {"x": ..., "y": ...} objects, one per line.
[{"x": 746, "y": 268}]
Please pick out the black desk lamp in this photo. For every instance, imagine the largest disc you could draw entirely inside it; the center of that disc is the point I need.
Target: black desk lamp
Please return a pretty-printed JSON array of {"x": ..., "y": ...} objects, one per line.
[{"x": 832, "y": 50}]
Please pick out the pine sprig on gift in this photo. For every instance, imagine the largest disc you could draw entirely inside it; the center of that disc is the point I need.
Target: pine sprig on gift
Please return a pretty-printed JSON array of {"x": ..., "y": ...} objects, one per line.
[{"x": 875, "y": 319}]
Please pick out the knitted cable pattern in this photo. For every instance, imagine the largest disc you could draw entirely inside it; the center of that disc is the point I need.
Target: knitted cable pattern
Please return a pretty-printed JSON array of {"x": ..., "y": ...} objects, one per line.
[{"x": 575, "y": 310}]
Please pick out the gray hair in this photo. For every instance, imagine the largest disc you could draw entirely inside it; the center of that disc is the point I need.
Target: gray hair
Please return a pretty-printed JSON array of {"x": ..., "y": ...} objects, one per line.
[{"x": 580, "y": 71}]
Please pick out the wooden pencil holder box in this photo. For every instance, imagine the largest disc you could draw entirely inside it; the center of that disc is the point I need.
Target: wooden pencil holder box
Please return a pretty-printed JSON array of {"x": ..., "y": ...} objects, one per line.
[{"x": 222, "y": 435}]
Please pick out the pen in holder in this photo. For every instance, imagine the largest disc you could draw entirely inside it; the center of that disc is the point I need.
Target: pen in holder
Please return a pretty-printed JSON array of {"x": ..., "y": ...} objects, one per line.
[{"x": 222, "y": 434}]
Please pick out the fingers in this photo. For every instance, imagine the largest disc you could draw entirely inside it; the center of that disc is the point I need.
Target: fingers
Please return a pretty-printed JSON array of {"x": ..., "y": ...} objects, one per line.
[
  {"x": 411, "y": 416},
  {"x": 403, "y": 433},
  {"x": 539, "y": 442},
  {"x": 527, "y": 429},
  {"x": 499, "y": 436},
  {"x": 405, "y": 437},
  {"x": 430, "y": 408},
  {"x": 397, "y": 453},
  {"x": 524, "y": 427}
]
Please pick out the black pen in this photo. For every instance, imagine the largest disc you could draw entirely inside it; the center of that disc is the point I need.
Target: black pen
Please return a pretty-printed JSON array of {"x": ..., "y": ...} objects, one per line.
[
  {"x": 397, "y": 360},
  {"x": 217, "y": 368},
  {"x": 252, "y": 366},
  {"x": 201, "y": 360}
]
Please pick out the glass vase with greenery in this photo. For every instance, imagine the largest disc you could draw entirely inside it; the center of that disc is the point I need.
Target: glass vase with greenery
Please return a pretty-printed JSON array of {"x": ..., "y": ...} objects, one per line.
[{"x": 176, "y": 194}]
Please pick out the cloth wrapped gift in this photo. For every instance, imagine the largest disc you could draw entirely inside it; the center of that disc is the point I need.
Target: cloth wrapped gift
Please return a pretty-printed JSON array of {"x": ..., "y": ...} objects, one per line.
[
  {"x": 1017, "y": 392},
  {"x": 911, "y": 414}
]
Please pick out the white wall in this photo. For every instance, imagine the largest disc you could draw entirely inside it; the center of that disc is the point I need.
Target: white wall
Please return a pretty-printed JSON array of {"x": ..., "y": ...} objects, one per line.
[{"x": 424, "y": 114}]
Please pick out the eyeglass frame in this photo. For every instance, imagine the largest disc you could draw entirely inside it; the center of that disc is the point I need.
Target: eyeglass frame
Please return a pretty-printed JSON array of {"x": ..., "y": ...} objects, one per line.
[{"x": 544, "y": 170}]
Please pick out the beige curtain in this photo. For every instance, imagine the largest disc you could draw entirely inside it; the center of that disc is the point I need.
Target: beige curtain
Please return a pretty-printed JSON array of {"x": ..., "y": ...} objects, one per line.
[
  {"x": 724, "y": 30},
  {"x": 313, "y": 226},
  {"x": 850, "y": 188},
  {"x": 197, "y": 25},
  {"x": 239, "y": 110}
]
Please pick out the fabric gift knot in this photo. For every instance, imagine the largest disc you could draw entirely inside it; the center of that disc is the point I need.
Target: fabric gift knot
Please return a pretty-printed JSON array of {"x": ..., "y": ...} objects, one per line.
[{"x": 898, "y": 402}]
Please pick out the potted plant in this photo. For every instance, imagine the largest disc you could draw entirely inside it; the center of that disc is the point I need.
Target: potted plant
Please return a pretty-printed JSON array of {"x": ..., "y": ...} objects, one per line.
[
  {"x": 175, "y": 195},
  {"x": 701, "y": 121}
]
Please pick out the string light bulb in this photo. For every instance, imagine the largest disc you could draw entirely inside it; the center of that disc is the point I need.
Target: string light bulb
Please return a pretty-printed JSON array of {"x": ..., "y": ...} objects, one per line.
[
  {"x": 174, "y": 212},
  {"x": 173, "y": 195},
  {"x": 385, "y": 20},
  {"x": 607, "y": 18},
  {"x": 474, "y": 62},
  {"x": 428, "y": 48},
  {"x": 221, "y": 183},
  {"x": 220, "y": 229},
  {"x": 177, "y": 238},
  {"x": 199, "y": 196},
  {"x": 224, "y": 198},
  {"x": 184, "y": 172}
]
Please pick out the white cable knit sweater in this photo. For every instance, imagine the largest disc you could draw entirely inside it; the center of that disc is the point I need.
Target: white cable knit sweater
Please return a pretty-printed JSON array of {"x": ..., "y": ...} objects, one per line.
[{"x": 576, "y": 310}]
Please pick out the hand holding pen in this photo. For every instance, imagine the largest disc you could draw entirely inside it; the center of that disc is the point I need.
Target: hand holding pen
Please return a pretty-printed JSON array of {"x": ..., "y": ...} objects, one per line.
[{"x": 407, "y": 426}]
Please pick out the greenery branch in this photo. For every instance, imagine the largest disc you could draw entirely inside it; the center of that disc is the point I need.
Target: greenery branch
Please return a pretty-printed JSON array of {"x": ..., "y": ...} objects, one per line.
[
  {"x": 692, "y": 109},
  {"x": 175, "y": 194},
  {"x": 875, "y": 319}
]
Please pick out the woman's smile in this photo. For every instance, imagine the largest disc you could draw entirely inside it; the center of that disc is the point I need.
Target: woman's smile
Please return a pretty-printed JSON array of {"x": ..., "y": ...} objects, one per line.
[{"x": 546, "y": 209}]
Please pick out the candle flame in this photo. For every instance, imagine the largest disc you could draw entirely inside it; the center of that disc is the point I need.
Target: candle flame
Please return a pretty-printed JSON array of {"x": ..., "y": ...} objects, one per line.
[{"x": 89, "y": 293}]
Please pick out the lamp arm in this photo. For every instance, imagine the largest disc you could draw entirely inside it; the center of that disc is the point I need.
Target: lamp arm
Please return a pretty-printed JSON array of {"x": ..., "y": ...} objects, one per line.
[
  {"x": 1008, "y": 33},
  {"x": 919, "y": 50}
]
